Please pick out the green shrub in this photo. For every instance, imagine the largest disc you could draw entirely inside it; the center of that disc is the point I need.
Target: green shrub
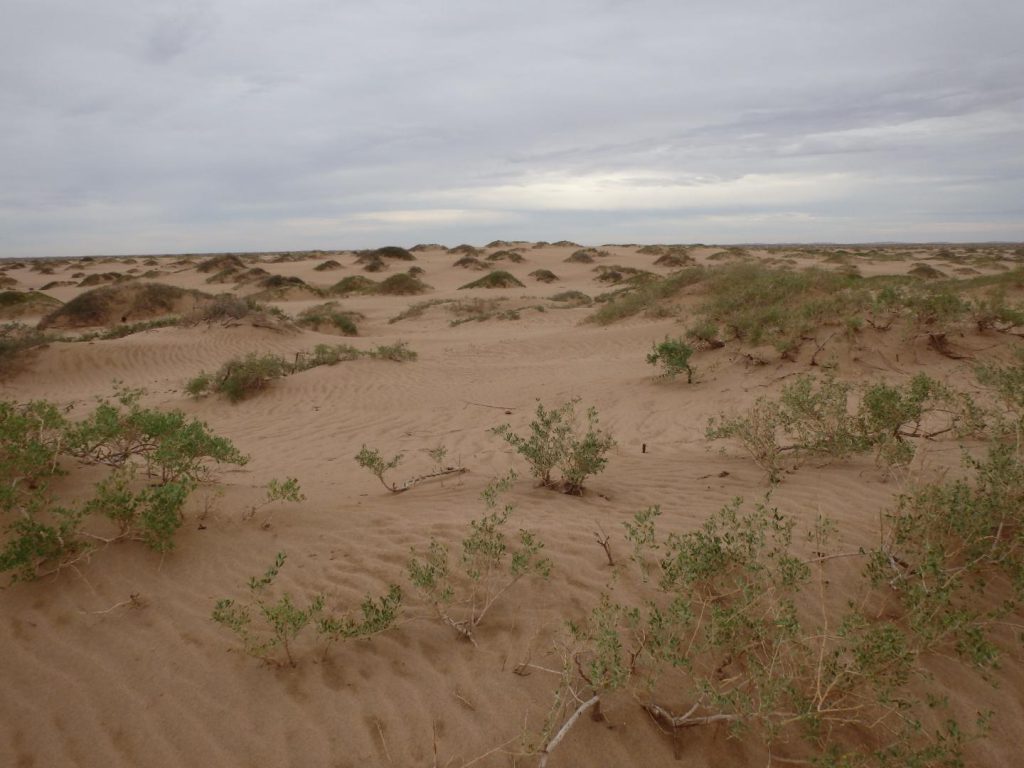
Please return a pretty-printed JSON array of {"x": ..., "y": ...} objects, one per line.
[
  {"x": 370, "y": 458},
  {"x": 704, "y": 334},
  {"x": 490, "y": 566},
  {"x": 398, "y": 352},
  {"x": 722, "y": 641},
  {"x": 263, "y": 626},
  {"x": 812, "y": 418},
  {"x": 151, "y": 515},
  {"x": 947, "y": 545},
  {"x": 277, "y": 491},
  {"x": 674, "y": 357},
  {"x": 46, "y": 537},
  {"x": 170, "y": 446},
  {"x": 240, "y": 378},
  {"x": 280, "y": 622},
  {"x": 556, "y": 440},
  {"x": 1007, "y": 383}
]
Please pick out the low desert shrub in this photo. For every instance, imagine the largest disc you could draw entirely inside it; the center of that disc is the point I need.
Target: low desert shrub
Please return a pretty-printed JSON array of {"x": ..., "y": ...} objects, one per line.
[
  {"x": 265, "y": 627},
  {"x": 496, "y": 279},
  {"x": 329, "y": 315},
  {"x": 953, "y": 555},
  {"x": 720, "y": 638},
  {"x": 399, "y": 352},
  {"x": 371, "y": 459},
  {"x": 170, "y": 446},
  {"x": 813, "y": 418},
  {"x": 402, "y": 284},
  {"x": 174, "y": 452},
  {"x": 241, "y": 377},
  {"x": 558, "y": 441},
  {"x": 544, "y": 276},
  {"x": 277, "y": 491},
  {"x": 673, "y": 355},
  {"x": 490, "y": 566},
  {"x": 17, "y": 341}
]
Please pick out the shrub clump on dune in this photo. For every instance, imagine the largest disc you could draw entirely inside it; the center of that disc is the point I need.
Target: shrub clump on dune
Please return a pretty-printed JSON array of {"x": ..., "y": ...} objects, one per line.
[
  {"x": 241, "y": 377},
  {"x": 219, "y": 263},
  {"x": 120, "y": 303},
  {"x": 647, "y": 297},
  {"x": 470, "y": 262},
  {"x": 497, "y": 279},
  {"x": 15, "y": 304},
  {"x": 329, "y": 317},
  {"x": 326, "y": 266},
  {"x": 353, "y": 284},
  {"x": 102, "y": 278},
  {"x": 544, "y": 276},
  {"x": 514, "y": 256},
  {"x": 573, "y": 299},
  {"x": 402, "y": 284},
  {"x": 393, "y": 252}
]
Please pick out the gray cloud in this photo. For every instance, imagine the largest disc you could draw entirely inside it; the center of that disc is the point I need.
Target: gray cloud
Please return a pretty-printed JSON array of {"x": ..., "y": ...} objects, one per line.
[{"x": 196, "y": 126}]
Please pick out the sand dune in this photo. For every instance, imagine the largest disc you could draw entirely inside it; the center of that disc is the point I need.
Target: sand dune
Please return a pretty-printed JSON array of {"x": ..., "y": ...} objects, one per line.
[{"x": 155, "y": 682}]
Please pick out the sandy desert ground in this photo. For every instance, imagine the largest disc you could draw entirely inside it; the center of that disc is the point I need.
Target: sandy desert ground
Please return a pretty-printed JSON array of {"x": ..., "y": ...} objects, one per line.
[{"x": 95, "y": 677}]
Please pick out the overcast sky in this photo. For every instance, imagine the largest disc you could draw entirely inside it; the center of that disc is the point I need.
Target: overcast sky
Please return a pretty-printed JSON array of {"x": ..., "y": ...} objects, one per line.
[{"x": 131, "y": 126}]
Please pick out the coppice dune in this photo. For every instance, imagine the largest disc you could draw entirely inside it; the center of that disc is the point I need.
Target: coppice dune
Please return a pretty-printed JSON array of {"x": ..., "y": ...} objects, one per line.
[{"x": 112, "y": 657}]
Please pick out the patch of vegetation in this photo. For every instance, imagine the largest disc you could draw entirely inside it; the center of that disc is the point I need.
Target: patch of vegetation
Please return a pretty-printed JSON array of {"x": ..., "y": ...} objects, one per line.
[
  {"x": 585, "y": 256},
  {"x": 573, "y": 298},
  {"x": 330, "y": 316},
  {"x": 264, "y": 627},
  {"x": 673, "y": 355},
  {"x": 173, "y": 452},
  {"x": 326, "y": 266},
  {"x": 418, "y": 309},
  {"x": 557, "y": 440},
  {"x": 514, "y": 256},
  {"x": 926, "y": 271},
  {"x": 245, "y": 376},
  {"x": 615, "y": 273},
  {"x": 18, "y": 340},
  {"x": 490, "y": 566},
  {"x": 220, "y": 262},
  {"x": 721, "y": 639},
  {"x": 544, "y": 276},
  {"x": 120, "y": 303},
  {"x": 227, "y": 309},
  {"x": 354, "y": 284},
  {"x": 470, "y": 262},
  {"x": 393, "y": 252},
  {"x": 402, "y": 284},
  {"x": 496, "y": 279},
  {"x": 648, "y": 297},
  {"x": 14, "y": 304},
  {"x": 812, "y": 418}
]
